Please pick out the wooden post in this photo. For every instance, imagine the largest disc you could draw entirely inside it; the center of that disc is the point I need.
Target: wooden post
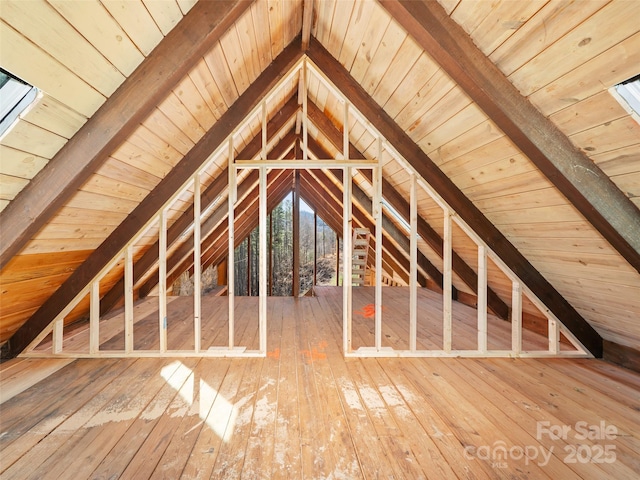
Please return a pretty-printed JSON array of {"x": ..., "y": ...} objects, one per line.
[
  {"x": 446, "y": 282},
  {"x": 347, "y": 284},
  {"x": 270, "y": 254},
  {"x": 516, "y": 317},
  {"x": 482, "y": 299},
  {"x": 305, "y": 117},
  {"x": 128, "y": 299},
  {"x": 162, "y": 280},
  {"x": 337, "y": 260},
  {"x": 230, "y": 255},
  {"x": 554, "y": 336},
  {"x": 249, "y": 265},
  {"x": 377, "y": 215},
  {"x": 58, "y": 331},
  {"x": 315, "y": 248},
  {"x": 413, "y": 267},
  {"x": 94, "y": 318},
  {"x": 296, "y": 236},
  {"x": 197, "y": 266},
  {"x": 263, "y": 261}
]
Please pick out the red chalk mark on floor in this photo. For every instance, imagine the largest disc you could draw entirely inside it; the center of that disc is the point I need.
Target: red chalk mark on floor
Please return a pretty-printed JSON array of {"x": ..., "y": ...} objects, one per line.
[
  {"x": 274, "y": 354},
  {"x": 368, "y": 311},
  {"x": 316, "y": 353}
]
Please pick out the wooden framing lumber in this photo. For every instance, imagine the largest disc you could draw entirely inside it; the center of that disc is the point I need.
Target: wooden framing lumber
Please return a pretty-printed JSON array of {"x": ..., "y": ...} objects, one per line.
[
  {"x": 574, "y": 174},
  {"x": 160, "y": 194},
  {"x": 427, "y": 169},
  {"x": 322, "y": 183},
  {"x": 118, "y": 117},
  {"x": 295, "y": 284},
  {"x": 184, "y": 222},
  {"x": 390, "y": 194}
]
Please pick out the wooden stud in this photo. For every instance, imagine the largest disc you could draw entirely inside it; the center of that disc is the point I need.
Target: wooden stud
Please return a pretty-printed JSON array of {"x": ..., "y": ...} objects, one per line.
[
  {"x": 162, "y": 280},
  {"x": 446, "y": 282},
  {"x": 94, "y": 318},
  {"x": 554, "y": 335},
  {"x": 231, "y": 290},
  {"x": 377, "y": 215},
  {"x": 516, "y": 317},
  {"x": 296, "y": 235},
  {"x": 413, "y": 274},
  {"x": 407, "y": 149},
  {"x": 128, "y": 299},
  {"x": 197, "y": 266},
  {"x": 482, "y": 298},
  {"x": 263, "y": 261},
  {"x": 305, "y": 116},
  {"x": 347, "y": 284},
  {"x": 315, "y": 248},
  {"x": 58, "y": 332},
  {"x": 113, "y": 246}
]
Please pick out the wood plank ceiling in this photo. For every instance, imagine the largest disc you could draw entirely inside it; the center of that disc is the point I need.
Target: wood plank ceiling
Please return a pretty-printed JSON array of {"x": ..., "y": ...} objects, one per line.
[{"x": 560, "y": 56}]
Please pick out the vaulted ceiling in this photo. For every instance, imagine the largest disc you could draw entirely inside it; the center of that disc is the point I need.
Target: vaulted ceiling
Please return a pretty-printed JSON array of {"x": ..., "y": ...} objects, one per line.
[{"x": 501, "y": 106}]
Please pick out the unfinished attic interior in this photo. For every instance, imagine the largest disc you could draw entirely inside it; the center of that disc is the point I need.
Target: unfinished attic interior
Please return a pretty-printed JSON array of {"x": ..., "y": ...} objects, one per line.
[{"x": 320, "y": 239}]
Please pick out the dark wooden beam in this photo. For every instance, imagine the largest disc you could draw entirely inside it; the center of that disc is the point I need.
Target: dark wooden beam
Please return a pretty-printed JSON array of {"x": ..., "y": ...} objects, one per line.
[
  {"x": 118, "y": 117},
  {"x": 150, "y": 258},
  {"x": 426, "y": 168},
  {"x": 459, "y": 266},
  {"x": 575, "y": 175},
  {"x": 622, "y": 355},
  {"x": 160, "y": 194}
]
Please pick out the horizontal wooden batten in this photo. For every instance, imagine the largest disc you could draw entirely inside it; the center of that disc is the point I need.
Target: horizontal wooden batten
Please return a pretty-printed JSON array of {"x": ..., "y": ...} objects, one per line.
[
  {"x": 429, "y": 171},
  {"x": 162, "y": 193},
  {"x": 582, "y": 182},
  {"x": 138, "y": 95}
]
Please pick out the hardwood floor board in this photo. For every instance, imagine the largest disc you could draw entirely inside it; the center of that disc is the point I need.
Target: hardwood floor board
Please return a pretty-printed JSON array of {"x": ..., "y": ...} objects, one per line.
[
  {"x": 261, "y": 438},
  {"x": 117, "y": 459},
  {"x": 33, "y": 414},
  {"x": 317, "y": 456},
  {"x": 376, "y": 459},
  {"x": 287, "y": 461},
  {"x": 83, "y": 452},
  {"x": 340, "y": 441},
  {"x": 559, "y": 399},
  {"x": 150, "y": 452},
  {"x": 58, "y": 431},
  {"x": 306, "y": 411}
]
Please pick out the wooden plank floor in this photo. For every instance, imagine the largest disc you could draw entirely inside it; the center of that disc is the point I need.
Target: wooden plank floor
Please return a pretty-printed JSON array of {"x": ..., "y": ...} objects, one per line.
[{"x": 307, "y": 412}]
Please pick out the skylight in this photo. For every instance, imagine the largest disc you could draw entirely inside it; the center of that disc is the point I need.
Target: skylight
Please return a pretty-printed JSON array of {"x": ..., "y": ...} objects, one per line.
[
  {"x": 15, "y": 96},
  {"x": 628, "y": 94}
]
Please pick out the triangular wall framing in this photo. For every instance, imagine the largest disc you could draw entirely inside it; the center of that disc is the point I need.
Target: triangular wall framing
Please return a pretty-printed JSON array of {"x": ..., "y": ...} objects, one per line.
[{"x": 301, "y": 68}]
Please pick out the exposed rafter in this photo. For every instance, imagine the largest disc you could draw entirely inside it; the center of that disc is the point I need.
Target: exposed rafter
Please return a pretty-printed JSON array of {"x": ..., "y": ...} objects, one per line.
[
  {"x": 579, "y": 179},
  {"x": 451, "y": 194},
  {"x": 118, "y": 117},
  {"x": 160, "y": 194}
]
